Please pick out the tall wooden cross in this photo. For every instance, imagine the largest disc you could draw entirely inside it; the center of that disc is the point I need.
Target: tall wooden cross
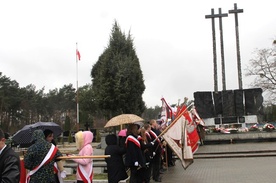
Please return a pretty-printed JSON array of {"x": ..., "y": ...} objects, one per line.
[
  {"x": 213, "y": 16},
  {"x": 236, "y": 11},
  {"x": 220, "y": 15}
]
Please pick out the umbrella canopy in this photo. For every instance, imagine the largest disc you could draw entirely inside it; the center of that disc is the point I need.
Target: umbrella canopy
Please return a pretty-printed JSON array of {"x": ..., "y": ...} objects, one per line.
[
  {"x": 123, "y": 119},
  {"x": 24, "y": 136}
]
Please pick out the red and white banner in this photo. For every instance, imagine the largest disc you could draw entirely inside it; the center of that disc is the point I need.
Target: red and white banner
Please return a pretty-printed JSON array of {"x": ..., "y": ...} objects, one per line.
[
  {"x": 196, "y": 117},
  {"x": 192, "y": 134},
  {"x": 165, "y": 111},
  {"x": 182, "y": 136},
  {"x": 177, "y": 138}
]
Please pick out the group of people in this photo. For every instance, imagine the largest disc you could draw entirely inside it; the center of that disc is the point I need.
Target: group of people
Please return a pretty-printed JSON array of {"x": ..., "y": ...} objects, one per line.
[
  {"x": 43, "y": 161},
  {"x": 142, "y": 154}
]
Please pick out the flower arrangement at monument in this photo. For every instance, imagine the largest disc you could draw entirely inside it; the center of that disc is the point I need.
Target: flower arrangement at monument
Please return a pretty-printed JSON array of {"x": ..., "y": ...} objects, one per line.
[
  {"x": 254, "y": 127},
  {"x": 268, "y": 127}
]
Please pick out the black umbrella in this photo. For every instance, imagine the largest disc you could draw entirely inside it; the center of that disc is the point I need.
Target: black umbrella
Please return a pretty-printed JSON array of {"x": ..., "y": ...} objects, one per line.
[{"x": 24, "y": 136}]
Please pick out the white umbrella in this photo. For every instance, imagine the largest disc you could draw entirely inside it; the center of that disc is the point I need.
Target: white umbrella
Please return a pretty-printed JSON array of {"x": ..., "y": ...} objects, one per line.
[{"x": 123, "y": 119}]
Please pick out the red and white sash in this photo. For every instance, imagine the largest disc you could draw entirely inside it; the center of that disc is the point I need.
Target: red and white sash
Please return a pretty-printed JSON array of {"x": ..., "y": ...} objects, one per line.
[
  {"x": 148, "y": 135},
  {"x": 154, "y": 136},
  {"x": 56, "y": 170},
  {"x": 86, "y": 177},
  {"x": 49, "y": 156},
  {"x": 134, "y": 140}
]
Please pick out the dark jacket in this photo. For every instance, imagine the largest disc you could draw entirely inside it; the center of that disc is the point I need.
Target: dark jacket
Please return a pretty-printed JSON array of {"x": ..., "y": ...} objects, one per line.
[
  {"x": 35, "y": 155},
  {"x": 115, "y": 166},
  {"x": 147, "y": 149},
  {"x": 134, "y": 152},
  {"x": 157, "y": 148},
  {"x": 9, "y": 166}
]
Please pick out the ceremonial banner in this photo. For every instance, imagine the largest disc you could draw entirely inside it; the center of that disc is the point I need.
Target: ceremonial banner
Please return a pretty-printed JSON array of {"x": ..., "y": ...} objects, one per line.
[
  {"x": 191, "y": 127},
  {"x": 196, "y": 117},
  {"x": 177, "y": 138},
  {"x": 193, "y": 137},
  {"x": 166, "y": 111}
]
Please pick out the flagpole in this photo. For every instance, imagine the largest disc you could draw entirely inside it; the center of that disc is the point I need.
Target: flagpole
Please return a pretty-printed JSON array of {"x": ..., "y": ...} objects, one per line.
[{"x": 77, "y": 83}]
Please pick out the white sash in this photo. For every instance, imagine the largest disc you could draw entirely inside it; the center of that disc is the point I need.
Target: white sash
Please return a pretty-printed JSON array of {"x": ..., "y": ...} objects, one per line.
[
  {"x": 85, "y": 175},
  {"x": 46, "y": 158},
  {"x": 58, "y": 173}
]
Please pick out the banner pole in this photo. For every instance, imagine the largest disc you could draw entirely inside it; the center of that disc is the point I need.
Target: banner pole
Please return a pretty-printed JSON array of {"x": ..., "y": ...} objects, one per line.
[
  {"x": 77, "y": 83},
  {"x": 83, "y": 157}
]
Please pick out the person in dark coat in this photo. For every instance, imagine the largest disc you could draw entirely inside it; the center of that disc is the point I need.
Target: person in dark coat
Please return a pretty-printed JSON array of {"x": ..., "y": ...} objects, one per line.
[
  {"x": 146, "y": 147},
  {"x": 9, "y": 162},
  {"x": 36, "y": 155},
  {"x": 115, "y": 166},
  {"x": 134, "y": 155},
  {"x": 157, "y": 150}
]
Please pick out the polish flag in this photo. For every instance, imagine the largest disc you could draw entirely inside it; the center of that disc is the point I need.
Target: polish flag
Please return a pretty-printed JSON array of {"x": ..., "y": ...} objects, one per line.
[{"x": 78, "y": 54}]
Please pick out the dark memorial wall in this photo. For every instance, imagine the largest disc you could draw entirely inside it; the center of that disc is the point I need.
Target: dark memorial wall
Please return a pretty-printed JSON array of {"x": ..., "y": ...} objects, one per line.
[
  {"x": 204, "y": 104},
  {"x": 253, "y": 101},
  {"x": 229, "y": 103},
  {"x": 228, "y": 108},
  {"x": 239, "y": 106},
  {"x": 218, "y": 103}
]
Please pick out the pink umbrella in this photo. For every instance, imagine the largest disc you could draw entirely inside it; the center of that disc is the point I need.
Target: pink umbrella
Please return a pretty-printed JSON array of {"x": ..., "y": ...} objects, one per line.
[{"x": 122, "y": 133}]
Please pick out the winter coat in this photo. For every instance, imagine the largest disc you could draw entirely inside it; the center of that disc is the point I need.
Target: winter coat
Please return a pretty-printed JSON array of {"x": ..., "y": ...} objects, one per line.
[
  {"x": 134, "y": 152},
  {"x": 157, "y": 148},
  {"x": 146, "y": 148},
  {"x": 35, "y": 155},
  {"x": 115, "y": 165},
  {"x": 83, "y": 143}
]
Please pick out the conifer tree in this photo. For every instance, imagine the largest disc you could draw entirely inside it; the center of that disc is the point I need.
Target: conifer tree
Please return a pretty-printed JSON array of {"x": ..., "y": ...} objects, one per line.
[{"x": 118, "y": 83}]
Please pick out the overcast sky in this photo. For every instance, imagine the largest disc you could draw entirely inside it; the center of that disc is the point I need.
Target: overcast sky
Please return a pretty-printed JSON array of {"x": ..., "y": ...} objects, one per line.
[{"x": 173, "y": 41}]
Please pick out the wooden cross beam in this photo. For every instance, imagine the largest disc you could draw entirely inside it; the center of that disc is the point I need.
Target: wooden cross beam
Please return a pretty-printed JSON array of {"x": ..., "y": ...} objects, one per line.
[
  {"x": 213, "y": 16},
  {"x": 220, "y": 15},
  {"x": 236, "y": 11}
]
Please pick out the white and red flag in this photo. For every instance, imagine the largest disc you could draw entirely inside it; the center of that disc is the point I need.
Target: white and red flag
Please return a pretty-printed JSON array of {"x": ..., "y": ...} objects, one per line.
[
  {"x": 182, "y": 136},
  {"x": 78, "y": 54},
  {"x": 176, "y": 136},
  {"x": 196, "y": 117},
  {"x": 164, "y": 112},
  {"x": 168, "y": 111}
]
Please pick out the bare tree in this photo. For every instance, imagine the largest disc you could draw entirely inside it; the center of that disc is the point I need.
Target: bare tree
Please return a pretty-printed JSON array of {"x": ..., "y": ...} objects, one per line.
[{"x": 263, "y": 67}]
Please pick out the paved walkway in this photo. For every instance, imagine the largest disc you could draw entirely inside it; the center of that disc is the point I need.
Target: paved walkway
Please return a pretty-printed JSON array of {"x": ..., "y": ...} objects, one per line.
[
  {"x": 237, "y": 147},
  {"x": 223, "y": 170},
  {"x": 226, "y": 170}
]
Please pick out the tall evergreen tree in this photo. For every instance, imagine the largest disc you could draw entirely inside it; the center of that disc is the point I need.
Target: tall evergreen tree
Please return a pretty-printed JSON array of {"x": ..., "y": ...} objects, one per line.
[{"x": 118, "y": 83}]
